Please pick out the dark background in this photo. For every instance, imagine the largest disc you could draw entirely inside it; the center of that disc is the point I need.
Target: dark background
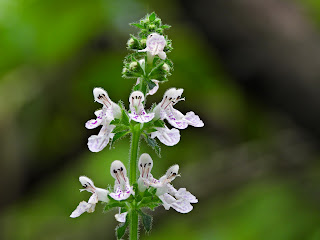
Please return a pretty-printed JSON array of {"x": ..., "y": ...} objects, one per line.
[{"x": 250, "y": 70}]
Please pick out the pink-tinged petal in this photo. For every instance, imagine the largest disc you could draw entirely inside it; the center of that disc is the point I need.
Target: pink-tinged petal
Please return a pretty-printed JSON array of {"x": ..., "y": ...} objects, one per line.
[
  {"x": 169, "y": 137},
  {"x": 121, "y": 217},
  {"x": 183, "y": 193},
  {"x": 155, "y": 88},
  {"x": 143, "y": 117},
  {"x": 120, "y": 194},
  {"x": 82, "y": 207},
  {"x": 167, "y": 200},
  {"x": 93, "y": 123},
  {"x": 162, "y": 55},
  {"x": 175, "y": 120},
  {"x": 97, "y": 143},
  {"x": 193, "y": 119},
  {"x": 182, "y": 206}
]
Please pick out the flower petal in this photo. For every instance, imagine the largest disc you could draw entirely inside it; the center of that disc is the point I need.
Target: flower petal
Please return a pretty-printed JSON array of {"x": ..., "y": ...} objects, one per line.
[
  {"x": 183, "y": 193},
  {"x": 193, "y": 119},
  {"x": 82, "y": 207},
  {"x": 182, "y": 206},
  {"x": 93, "y": 199},
  {"x": 162, "y": 55},
  {"x": 119, "y": 194},
  {"x": 102, "y": 194},
  {"x": 169, "y": 137},
  {"x": 97, "y": 143},
  {"x": 142, "y": 117},
  {"x": 167, "y": 200},
  {"x": 175, "y": 118},
  {"x": 121, "y": 217}
]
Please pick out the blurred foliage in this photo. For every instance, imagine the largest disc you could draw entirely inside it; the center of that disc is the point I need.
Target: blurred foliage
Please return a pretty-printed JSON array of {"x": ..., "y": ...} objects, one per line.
[{"x": 53, "y": 53}]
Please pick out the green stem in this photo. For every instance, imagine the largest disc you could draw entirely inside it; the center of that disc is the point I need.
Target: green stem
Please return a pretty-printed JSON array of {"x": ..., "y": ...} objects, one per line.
[
  {"x": 134, "y": 220},
  {"x": 134, "y": 153}
]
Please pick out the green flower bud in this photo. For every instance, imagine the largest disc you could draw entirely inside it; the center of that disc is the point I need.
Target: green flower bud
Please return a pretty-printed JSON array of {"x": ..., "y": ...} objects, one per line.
[
  {"x": 152, "y": 26},
  {"x": 130, "y": 42},
  {"x": 133, "y": 65},
  {"x": 124, "y": 70},
  {"x": 166, "y": 67},
  {"x": 143, "y": 41}
]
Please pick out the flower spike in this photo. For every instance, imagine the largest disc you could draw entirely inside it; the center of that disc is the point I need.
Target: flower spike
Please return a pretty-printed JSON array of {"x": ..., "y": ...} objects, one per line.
[
  {"x": 155, "y": 45},
  {"x": 109, "y": 111},
  {"x": 138, "y": 113},
  {"x": 165, "y": 110},
  {"x": 98, "y": 194},
  {"x": 122, "y": 188}
]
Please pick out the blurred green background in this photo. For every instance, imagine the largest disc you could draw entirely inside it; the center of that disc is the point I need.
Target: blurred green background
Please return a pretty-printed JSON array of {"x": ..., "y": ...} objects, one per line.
[{"x": 250, "y": 70}]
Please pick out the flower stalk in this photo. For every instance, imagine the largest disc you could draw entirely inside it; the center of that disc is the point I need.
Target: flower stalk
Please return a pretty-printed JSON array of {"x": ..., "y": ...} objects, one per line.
[{"x": 149, "y": 66}]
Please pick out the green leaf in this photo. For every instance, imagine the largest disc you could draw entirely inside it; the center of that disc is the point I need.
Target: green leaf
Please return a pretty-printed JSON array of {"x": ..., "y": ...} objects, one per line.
[
  {"x": 121, "y": 229},
  {"x": 115, "y": 121},
  {"x": 124, "y": 118},
  {"x": 153, "y": 144},
  {"x": 137, "y": 25},
  {"x": 119, "y": 135},
  {"x": 120, "y": 128},
  {"x": 151, "y": 85},
  {"x": 146, "y": 220},
  {"x": 158, "y": 123},
  {"x": 165, "y": 26},
  {"x": 113, "y": 203},
  {"x": 152, "y": 17}
]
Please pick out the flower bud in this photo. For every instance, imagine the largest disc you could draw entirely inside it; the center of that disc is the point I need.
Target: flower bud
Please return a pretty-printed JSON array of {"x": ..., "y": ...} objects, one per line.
[
  {"x": 133, "y": 65},
  {"x": 124, "y": 70},
  {"x": 166, "y": 67},
  {"x": 130, "y": 42},
  {"x": 152, "y": 26},
  {"x": 143, "y": 42}
]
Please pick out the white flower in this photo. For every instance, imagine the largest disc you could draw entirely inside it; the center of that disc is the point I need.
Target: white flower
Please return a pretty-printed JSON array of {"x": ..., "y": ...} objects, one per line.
[
  {"x": 98, "y": 194},
  {"x": 138, "y": 113},
  {"x": 122, "y": 188},
  {"x": 177, "y": 199},
  {"x": 109, "y": 111},
  {"x": 154, "y": 89},
  {"x": 169, "y": 137},
  {"x": 155, "y": 45},
  {"x": 121, "y": 217},
  {"x": 165, "y": 110}
]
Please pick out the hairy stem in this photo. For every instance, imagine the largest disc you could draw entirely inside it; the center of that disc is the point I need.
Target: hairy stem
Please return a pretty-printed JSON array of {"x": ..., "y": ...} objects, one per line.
[
  {"x": 134, "y": 153},
  {"x": 134, "y": 225}
]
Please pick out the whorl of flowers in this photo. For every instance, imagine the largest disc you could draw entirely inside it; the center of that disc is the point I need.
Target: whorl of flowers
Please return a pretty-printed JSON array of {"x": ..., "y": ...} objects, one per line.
[{"x": 148, "y": 65}]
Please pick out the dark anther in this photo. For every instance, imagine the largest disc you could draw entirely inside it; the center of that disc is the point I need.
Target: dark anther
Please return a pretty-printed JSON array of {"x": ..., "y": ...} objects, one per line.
[
  {"x": 145, "y": 165},
  {"x": 170, "y": 98},
  {"x": 121, "y": 169},
  {"x": 140, "y": 164},
  {"x": 174, "y": 174},
  {"x": 115, "y": 171},
  {"x": 149, "y": 164}
]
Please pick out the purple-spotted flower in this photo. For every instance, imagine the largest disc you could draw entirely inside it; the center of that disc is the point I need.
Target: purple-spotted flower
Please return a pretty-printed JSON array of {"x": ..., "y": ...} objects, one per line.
[
  {"x": 138, "y": 113},
  {"x": 109, "y": 111},
  {"x": 122, "y": 188},
  {"x": 155, "y": 45},
  {"x": 180, "y": 200},
  {"x": 165, "y": 110},
  {"x": 98, "y": 194}
]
